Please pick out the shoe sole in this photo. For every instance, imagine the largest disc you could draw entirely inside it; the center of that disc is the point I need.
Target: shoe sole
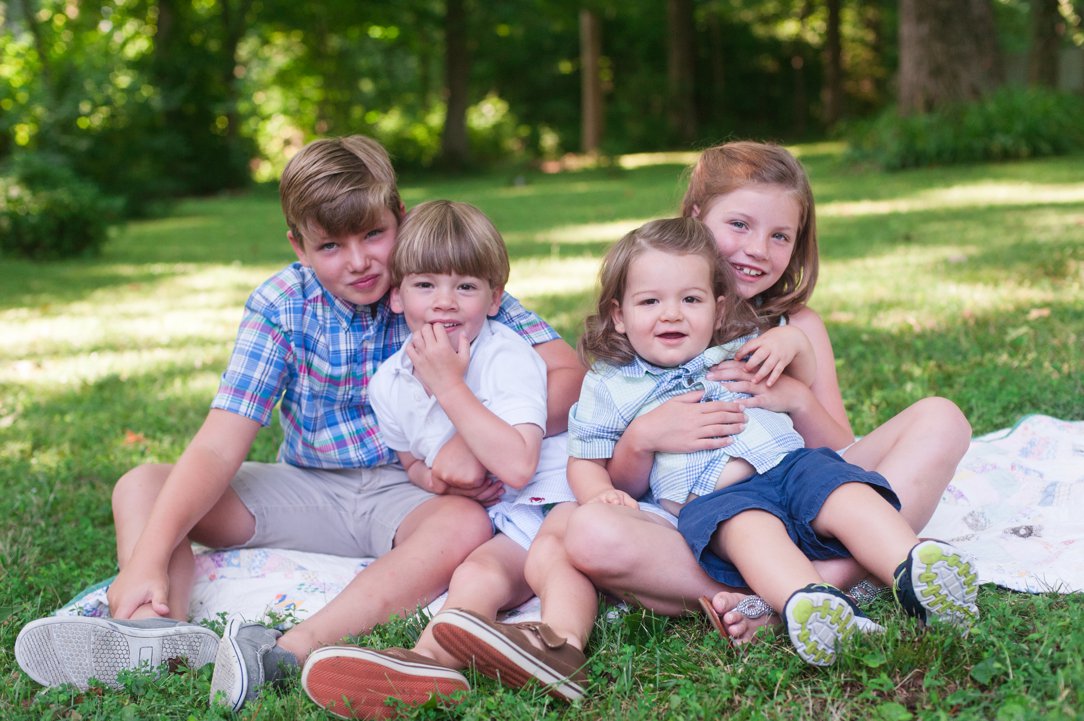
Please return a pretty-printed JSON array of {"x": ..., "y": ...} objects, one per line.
[
  {"x": 229, "y": 682},
  {"x": 817, "y": 624},
  {"x": 351, "y": 682},
  {"x": 946, "y": 584},
  {"x": 474, "y": 642},
  {"x": 58, "y": 650}
]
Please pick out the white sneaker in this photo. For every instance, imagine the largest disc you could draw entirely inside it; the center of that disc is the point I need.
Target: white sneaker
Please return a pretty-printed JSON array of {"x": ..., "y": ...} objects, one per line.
[{"x": 74, "y": 649}]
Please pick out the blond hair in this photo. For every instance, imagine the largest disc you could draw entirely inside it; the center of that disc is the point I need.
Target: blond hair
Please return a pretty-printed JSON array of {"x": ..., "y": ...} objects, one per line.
[
  {"x": 722, "y": 169},
  {"x": 443, "y": 236},
  {"x": 677, "y": 236},
  {"x": 341, "y": 185}
]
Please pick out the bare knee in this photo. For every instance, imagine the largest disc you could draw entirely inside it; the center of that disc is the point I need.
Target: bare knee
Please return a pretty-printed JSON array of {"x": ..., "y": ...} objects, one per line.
[
  {"x": 457, "y": 524},
  {"x": 135, "y": 492},
  {"x": 596, "y": 542},
  {"x": 945, "y": 422},
  {"x": 481, "y": 571},
  {"x": 547, "y": 548}
]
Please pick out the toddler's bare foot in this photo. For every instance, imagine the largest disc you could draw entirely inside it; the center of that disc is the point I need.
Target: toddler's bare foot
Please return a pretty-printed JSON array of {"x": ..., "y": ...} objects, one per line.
[{"x": 737, "y": 616}]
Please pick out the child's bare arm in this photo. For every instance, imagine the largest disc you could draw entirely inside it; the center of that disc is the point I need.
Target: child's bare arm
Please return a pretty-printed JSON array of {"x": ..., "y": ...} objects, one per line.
[
  {"x": 590, "y": 483},
  {"x": 196, "y": 483},
  {"x": 508, "y": 452}
]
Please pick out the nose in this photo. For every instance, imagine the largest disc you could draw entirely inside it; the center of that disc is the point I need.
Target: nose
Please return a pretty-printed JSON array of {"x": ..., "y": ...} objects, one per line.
[
  {"x": 671, "y": 311},
  {"x": 756, "y": 246},
  {"x": 357, "y": 258},
  {"x": 444, "y": 298}
]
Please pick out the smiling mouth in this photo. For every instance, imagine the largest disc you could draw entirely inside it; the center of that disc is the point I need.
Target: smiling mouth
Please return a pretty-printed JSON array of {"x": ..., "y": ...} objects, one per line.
[
  {"x": 448, "y": 324},
  {"x": 747, "y": 271},
  {"x": 671, "y": 336}
]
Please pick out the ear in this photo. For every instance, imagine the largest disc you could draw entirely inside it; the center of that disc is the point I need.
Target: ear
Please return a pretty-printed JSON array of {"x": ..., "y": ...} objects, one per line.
[
  {"x": 720, "y": 306},
  {"x": 395, "y": 301},
  {"x": 617, "y": 317},
  {"x": 696, "y": 211},
  {"x": 298, "y": 244},
  {"x": 495, "y": 302}
]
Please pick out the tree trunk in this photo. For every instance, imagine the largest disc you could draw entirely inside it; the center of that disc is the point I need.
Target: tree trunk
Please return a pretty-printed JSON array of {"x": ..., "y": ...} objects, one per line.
[
  {"x": 1043, "y": 54},
  {"x": 948, "y": 53},
  {"x": 234, "y": 24},
  {"x": 681, "y": 71},
  {"x": 455, "y": 145},
  {"x": 832, "y": 96},
  {"x": 591, "y": 114}
]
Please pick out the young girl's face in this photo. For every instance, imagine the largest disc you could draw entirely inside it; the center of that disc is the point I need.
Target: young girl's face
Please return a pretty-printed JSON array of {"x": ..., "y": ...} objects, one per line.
[
  {"x": 668, "y": 312},
  {"x": 755, "y": 228}
]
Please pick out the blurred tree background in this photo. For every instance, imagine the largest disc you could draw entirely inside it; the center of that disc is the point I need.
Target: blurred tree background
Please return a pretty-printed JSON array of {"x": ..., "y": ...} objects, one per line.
[{"x": 148, "y": 100}]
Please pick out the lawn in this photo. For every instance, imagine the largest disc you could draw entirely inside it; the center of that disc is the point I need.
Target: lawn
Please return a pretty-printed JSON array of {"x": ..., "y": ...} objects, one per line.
[{"x": 963, "y": 282}]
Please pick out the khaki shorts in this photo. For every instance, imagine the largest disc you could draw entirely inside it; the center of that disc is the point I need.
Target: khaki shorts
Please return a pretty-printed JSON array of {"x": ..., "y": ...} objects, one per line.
[{"x": 346, "y": 512}]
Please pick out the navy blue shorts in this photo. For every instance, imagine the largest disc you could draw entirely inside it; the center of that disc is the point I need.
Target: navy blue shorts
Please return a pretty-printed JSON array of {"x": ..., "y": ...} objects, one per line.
[{"x": 793, "y": 491}]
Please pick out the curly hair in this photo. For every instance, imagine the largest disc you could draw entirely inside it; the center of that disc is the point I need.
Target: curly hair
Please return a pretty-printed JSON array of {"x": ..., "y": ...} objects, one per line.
[{"x": 677, "y": 236}]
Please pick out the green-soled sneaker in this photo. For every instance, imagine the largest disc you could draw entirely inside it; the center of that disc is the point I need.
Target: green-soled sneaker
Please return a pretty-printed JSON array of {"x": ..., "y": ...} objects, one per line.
[
  {"x": 819, "y": 618},
  {"x": 938, "y": 583}
]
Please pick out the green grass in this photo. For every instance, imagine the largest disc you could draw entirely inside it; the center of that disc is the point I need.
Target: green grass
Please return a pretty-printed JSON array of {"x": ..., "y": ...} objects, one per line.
[{"x": 965, "y": 282}]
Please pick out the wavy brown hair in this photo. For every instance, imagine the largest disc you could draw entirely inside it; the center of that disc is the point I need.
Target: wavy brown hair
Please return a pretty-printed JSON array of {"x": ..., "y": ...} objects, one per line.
[
  {"x": 677, "y": 236},
  {"x": 722, "y": 169}
]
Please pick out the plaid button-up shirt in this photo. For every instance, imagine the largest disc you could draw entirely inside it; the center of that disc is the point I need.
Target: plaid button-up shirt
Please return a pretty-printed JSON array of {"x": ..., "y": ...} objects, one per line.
[
  {"x": 313, "y": 354},
  {"x": 612, "y": 396}
]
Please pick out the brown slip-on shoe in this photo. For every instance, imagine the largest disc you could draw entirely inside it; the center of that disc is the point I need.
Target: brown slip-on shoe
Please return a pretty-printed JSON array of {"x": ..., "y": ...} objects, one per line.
[{"x": 505, "y": 652}]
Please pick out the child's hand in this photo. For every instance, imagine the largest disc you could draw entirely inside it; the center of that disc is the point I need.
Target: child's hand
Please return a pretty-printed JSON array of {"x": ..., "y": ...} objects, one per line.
[
  {"x": 436, "y": 363},
  {"x": 615, "y": 497},
  {"x": 769, "y": 354},
  {"x": 788, "y": 395},
  {"x": 683, "y": 424},
  {"x": 135, "y": 587},
  {"x": 488, "y": 493}
]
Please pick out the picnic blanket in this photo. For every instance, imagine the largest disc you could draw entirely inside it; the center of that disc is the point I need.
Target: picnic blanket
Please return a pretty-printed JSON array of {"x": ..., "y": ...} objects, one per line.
[{"x": 1016, "y": 502}]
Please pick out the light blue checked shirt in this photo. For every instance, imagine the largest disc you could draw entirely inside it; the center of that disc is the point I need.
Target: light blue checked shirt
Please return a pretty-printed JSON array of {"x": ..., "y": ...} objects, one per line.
[
  {"x": 612, "y": 396},
  {"x": 312, "y": 353}
]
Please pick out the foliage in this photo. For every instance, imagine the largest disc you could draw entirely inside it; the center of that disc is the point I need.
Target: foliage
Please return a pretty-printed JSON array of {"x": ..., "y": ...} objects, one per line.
[
  {"x": 47, "y": 212},
  {"x": 1010, "y": 124},
  {"x": 155, "y": 100},
  {"x": 965, "y": 281},
  {"x": 97, "y": 84}
]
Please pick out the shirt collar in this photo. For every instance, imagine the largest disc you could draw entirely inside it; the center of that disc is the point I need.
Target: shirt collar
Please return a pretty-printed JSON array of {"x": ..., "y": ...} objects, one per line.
[{"x": 715, "y": 354}]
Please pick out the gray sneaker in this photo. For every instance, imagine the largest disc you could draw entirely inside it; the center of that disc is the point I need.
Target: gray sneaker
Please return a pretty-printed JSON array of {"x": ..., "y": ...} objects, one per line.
[
  {"x": 938, "y": 583},
  {"x": 248, "y": 657},
  {"x": 74, "y": 649},
  {"x": 819, "y": 619}
]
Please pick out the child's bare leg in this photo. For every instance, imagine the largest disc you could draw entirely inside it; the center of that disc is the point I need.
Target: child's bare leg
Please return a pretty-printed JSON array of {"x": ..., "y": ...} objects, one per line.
[
  {"x": 644, "y": 560},
  {"x": 229, "y": 523},
  {"x": 875, "y": 533},
  {"x": 569, "y": 599},
  {"x": 757, "y": 543},
  {"x": 430, "y": 543},
  {"x": 917, "y": 451},
  {"x": 490, "y": 579}
]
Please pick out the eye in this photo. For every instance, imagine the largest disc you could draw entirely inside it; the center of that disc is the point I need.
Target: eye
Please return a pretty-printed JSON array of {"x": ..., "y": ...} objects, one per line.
[
  {"x": 374, "y": 233},
  {"x": 468, "y": 286},
  {"x": 781, "y": 237},
  {"x": 739, "y": 225},
  {"x": 647, "y": 301},
  {"x": 692, "y": 299},
  {"x": 423, "y": 284},
  {"x": 329, "y": 246}
]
